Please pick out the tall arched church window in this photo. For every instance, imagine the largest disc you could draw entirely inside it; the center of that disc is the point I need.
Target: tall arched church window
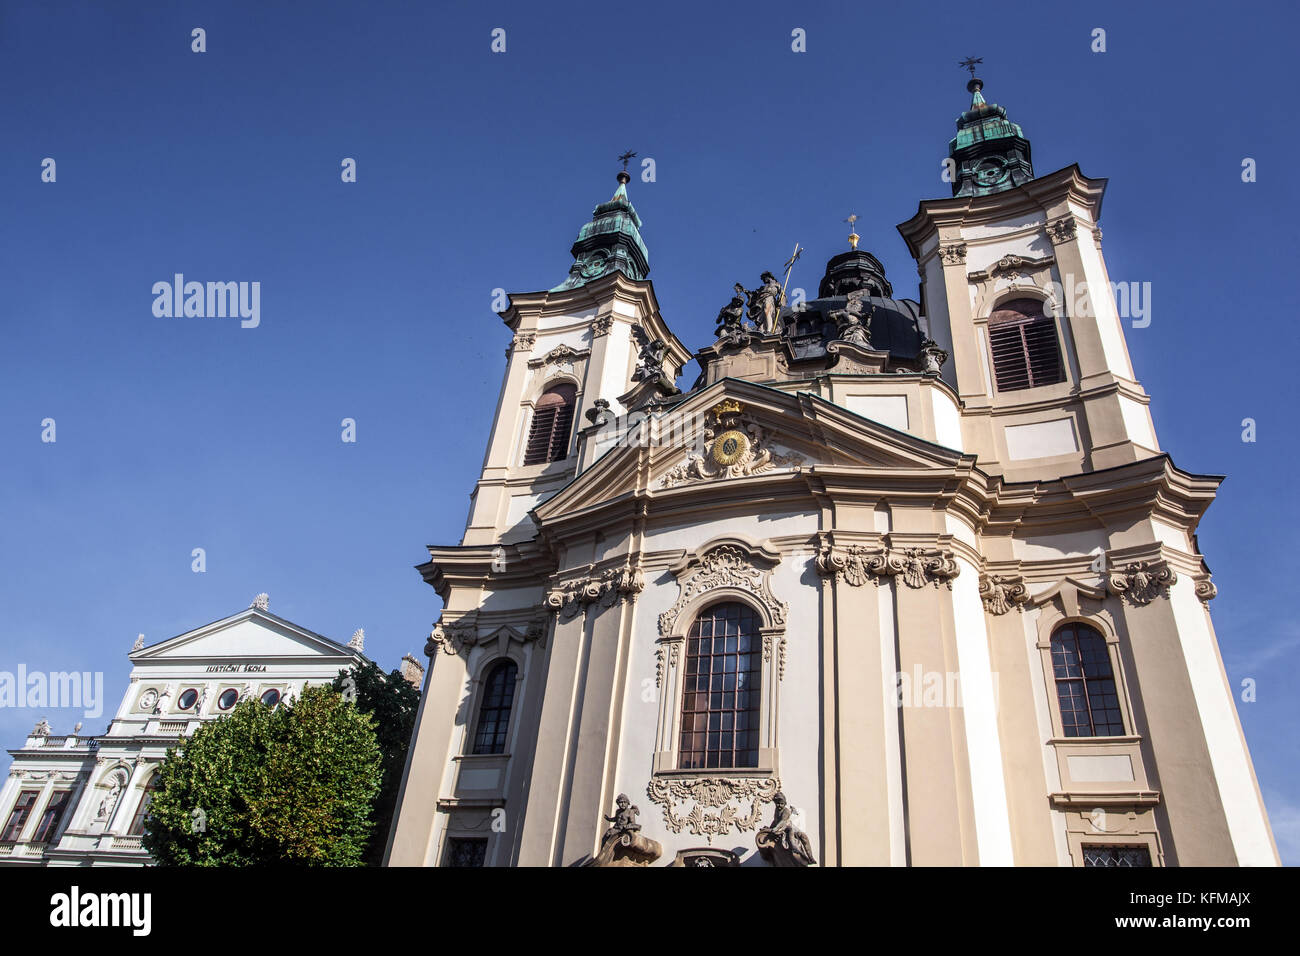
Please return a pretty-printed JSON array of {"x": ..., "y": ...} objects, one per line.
[
  {"x": 1085, "y": 683},
  {"x": 548, "y": 438},
  {"x": 494, "y": 709},
  {"x": 720, "y": 699},
  {"x": 1024, "y": 346}
]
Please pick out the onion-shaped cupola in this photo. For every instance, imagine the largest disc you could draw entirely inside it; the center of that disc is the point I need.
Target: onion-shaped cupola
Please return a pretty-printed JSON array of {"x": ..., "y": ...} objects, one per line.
[
  {"x": 611, "y": 242},
  {"x": 990, "y": 153}
]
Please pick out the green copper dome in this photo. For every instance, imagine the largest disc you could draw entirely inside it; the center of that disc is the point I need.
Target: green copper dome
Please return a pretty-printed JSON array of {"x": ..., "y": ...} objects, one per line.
[
  {"x": 610, "y": 242},
  {"x": 991, "y": 153}
]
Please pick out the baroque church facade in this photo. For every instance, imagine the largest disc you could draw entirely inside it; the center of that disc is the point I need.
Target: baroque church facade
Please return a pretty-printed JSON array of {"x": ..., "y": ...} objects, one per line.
[{"x": 895, "y": 582}]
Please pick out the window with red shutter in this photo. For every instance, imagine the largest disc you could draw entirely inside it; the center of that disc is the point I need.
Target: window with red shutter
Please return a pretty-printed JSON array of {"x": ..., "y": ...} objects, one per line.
[
  {"x": 1024, "y": 346},
  {"x": 548, "y": 438}
]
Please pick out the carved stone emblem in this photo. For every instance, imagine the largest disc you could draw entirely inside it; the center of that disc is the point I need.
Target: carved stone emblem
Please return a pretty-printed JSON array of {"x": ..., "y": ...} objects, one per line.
[
  {"x": 916, "y": 566},
  {"x": 712, "y": 806},
  {"x": 1000, "y": 594},
  {"x": 735, "y": 449},
  {"x": 1142, "y": 581}
]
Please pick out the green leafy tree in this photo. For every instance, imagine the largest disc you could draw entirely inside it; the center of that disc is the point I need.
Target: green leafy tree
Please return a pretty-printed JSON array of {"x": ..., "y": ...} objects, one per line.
[
  {"x": 393, "y": 702},
  {"x": 290, "y": 786}
]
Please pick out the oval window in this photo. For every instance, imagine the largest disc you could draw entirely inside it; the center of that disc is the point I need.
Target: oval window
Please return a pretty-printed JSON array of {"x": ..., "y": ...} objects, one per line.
[
  {"x": 228, "y": 699},
  {"x": 271, "y": 697},
  {"x": 187, "y": 699}
]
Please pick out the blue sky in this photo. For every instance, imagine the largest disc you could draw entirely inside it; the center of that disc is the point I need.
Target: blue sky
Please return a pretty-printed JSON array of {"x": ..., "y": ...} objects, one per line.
[{"x": 475, "y": 171}]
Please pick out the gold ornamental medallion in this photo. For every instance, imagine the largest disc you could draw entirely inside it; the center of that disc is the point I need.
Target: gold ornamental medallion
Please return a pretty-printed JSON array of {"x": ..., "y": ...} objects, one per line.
[{"x": 730, "y": 447}]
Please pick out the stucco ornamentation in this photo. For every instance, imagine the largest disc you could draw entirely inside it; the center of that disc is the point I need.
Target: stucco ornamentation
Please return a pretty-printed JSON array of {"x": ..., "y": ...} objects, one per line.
[
  {"x": 734, "y": 448},
  {"x": 724, "y": 566},
  {"x": 1062, "y": 230},
  {"x": 602, "y": 325},
  {"x": 1206, "y": 591},
  {"x": 712, "y": 806},
  {"x": 953, "y": 253},
  {"x": 560, "y": 355},
  {"x": 1000, "y": 593},
  {"x": 1142, "y": 581},
  {"x": 916, "y": 566},
  {"x": 602, "y": 589},
  {"x": 523, "y": 341}
]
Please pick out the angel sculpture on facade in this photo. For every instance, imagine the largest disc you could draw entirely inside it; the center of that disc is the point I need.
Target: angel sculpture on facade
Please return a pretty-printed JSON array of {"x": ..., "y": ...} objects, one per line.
[
  {"x": 624, "y": 820},
  {"x": 783, "y": 833}
]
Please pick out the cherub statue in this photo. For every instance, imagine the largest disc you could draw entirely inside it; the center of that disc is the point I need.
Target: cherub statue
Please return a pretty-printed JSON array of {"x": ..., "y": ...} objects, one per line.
[
  {"x": 731, "y": 317},
  {"x": 790, "y": 837},
  {"x": 765, "y": 303},
  {"x": 624, "y": 820}
]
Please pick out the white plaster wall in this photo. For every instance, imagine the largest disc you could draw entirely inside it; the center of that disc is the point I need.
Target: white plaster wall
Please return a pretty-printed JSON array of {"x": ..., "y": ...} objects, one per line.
[
  {"x": 755, "y": 526},
  {"x": 1001, "y": 227},
  {"x": 1051, "y": 770},
  {"x": 1103, "y": 306},
  {"x": 1041, "y": 439},
  {"x": 947, "y": 420},
  {"x": 1050, "y": 547},
  {"x": 1223, "y": 738},
  {"x": 613, "y": 377},
  {"x": 980, "y": 257},
  {"x": 560, "y": 321},
  {"x": 889, "y": 410},
  {"x": 1137, "y": 423},
  {"x": 979, "y": 705}
]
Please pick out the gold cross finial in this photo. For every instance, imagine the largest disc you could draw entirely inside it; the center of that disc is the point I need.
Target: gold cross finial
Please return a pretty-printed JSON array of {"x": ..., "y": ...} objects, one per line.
[{"x": 853, "y": 233}]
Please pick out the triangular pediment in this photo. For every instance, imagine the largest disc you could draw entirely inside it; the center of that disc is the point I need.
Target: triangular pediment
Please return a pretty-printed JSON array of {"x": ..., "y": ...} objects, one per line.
[
  {"x": 775, "y": 433},
  {"x": 251, "y": 633}
]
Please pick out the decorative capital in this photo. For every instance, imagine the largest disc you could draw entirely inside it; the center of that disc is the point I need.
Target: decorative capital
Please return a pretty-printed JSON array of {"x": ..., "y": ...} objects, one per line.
[
  {"x": 712, "y": 806},
  {"x": 1000, "y": 593},
  {"x": 1206, "y": 591},
  {"x": 916, "y": 566},
  {"x": 601, "y": 326},
  {"x": 954, "y": 253},
  {"x": 451, "y": 639},
  {"x": 523, "y": 341},
  {"x": 1142, "y": 581},
  {"x": 1062, "y": 230},
  {"x": 603, "y": 589}
]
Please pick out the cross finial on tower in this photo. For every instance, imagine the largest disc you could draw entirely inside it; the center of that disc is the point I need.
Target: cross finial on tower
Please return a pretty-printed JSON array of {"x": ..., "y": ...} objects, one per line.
[
  {"x": 853, "y": 232},
  {"x": 970, "y": 63},
  {"x": 626, "y": 157}
]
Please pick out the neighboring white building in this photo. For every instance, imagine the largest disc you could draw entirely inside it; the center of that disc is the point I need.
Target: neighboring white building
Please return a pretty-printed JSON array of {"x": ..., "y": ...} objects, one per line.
[{"x": 81, "y": 800}]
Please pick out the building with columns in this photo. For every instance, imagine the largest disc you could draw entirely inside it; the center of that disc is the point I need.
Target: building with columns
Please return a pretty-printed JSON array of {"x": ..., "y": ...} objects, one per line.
[
  {"x": 81, "y": 799},
  {"x": 894, "y": 582}
]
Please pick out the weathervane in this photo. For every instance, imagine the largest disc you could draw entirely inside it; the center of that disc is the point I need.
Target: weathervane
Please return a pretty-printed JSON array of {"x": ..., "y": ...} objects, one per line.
[
  {"x": 970, "y": 63},
  {"x": 626, "y": 157},
  {"x": 853, "y": 232}
]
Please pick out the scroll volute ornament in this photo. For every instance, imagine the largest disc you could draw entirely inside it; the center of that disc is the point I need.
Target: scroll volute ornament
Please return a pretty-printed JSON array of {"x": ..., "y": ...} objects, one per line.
[
  {"x": 1000, "y": 593},
  {"x": 1142, "y": 581},
  {"x": 731, "y": 562},
  {"x": 916, "y": 566}
]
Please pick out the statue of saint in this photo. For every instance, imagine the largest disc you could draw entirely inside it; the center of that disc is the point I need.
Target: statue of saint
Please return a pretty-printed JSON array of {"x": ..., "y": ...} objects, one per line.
[
  {"x": 765, "y": 303},
  {"x": 853, "y": 326},
  {"x": 164, "y": 699},
  {"x": 731, "y": 318}
]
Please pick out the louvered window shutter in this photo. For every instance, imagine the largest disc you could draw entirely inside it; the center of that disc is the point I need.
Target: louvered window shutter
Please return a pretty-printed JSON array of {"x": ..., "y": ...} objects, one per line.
[
  {"x": 548, "y": 438},
  {"x": 1024, "y": 346}
]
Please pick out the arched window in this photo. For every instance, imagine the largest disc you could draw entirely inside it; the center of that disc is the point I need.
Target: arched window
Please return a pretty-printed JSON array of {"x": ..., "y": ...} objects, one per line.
[
  {"x": 142, "y": 808},
  {"x": 1085, "y": 683},
  {"x": 721, "y": 692},
  {"x": 548, "y": 439},
  {"x": 53, "y": 815},
  {"x": 1023, "y": 342},
  {"x": 494, "y": 709}
]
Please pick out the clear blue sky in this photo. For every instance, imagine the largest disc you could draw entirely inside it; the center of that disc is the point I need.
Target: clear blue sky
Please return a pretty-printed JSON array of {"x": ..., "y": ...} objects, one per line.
[{"x": 475, "y": 171}]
